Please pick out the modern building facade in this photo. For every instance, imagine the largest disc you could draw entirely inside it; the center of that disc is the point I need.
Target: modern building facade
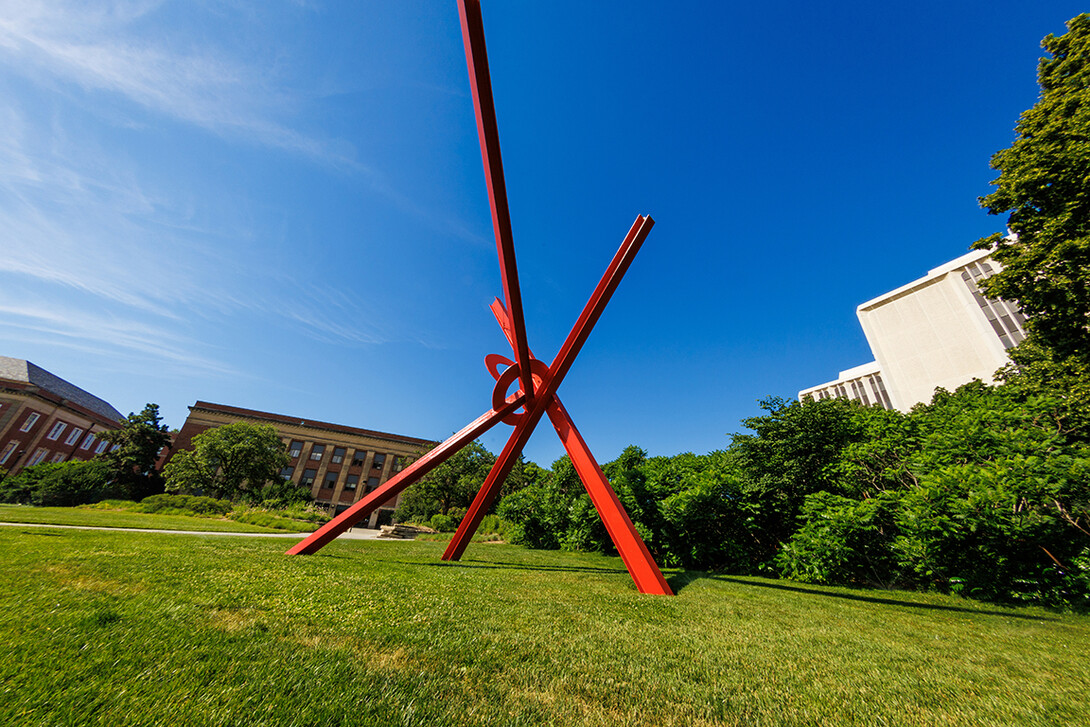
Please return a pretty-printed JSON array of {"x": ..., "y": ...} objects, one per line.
[
  {"x": 337, "y": 463},
  {"x": 44, "y": 418},
  {"x": 939, "y": 330}
]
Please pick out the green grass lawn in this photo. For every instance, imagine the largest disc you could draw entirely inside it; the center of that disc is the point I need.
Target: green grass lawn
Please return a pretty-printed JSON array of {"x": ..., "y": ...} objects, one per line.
[
  {"x": 122, "y": 519},
  {"x": 145, "y": 629}
]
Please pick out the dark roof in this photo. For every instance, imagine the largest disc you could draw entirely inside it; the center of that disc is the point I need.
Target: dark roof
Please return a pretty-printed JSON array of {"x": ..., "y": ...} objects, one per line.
[
  {"x": 24, "y": 372},
  {"x": 297, "y": 421}
]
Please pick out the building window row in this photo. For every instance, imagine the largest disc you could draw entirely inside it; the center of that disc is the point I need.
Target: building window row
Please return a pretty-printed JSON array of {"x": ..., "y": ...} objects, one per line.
[
  {"x": 1005, "y": 318},
  {"x": 359, "y": 456},
  {"x": 879, "y": 388},
  {"x": 858, "y": 388}
]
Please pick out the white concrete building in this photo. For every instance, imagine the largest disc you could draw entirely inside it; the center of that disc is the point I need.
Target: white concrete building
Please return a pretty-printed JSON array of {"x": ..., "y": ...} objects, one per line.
[{"x": 935, "y": 331}]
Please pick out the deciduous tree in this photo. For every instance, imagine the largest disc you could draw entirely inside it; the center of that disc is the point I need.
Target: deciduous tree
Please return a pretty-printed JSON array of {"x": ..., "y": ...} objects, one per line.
[
  {"x": 228, "y": 462},
  {"x": 1043, "y": 185},
  {"x": 134, "y": 451}
]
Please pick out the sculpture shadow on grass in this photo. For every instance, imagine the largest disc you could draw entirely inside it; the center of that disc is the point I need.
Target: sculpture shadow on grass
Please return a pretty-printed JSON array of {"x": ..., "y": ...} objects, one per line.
[
  {"x": 687, "y": 577},
  {"x": 507, "y": 565}
]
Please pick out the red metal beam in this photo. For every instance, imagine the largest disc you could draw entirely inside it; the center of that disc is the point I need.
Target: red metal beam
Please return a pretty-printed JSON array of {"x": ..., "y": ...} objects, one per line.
[
  {"x": 592, "y": 311},
  {"x": 393, "y": 486},
  {"x": 633, "y": 551},
  {"x": 480, "y": 83},
  {"x": 630, "y": 546}
]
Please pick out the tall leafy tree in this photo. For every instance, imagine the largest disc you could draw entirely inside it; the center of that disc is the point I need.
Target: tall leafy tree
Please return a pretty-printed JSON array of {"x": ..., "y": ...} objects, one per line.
[
  {"x": 230, "y": 461},
  {"x": 136, "y": 447},
  {"x": 1043, "y": 185},
  {"x": 452, "y": 484}
]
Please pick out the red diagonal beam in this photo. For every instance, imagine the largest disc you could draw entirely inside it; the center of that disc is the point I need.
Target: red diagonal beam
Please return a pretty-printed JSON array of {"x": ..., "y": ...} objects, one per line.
[
  {"x": 630, "y": 546},
  {"x": 392, "y": 487},
  {"x": 592, "y": 311},
  {"x": 633, "y": 551},
  {"x": 489, "y": 135}
]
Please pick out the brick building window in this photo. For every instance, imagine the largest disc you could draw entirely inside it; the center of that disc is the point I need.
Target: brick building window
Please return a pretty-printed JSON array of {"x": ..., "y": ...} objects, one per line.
[
  {"x": 338, "y": 455},
  {"x": 308, "y": 478},
  {"x": 58, "y": 457},
  {"x": 295, "y": 449},
  {"x": 73, "y": 436},
  {"x": 101, "y": 446},
  {"x": 55, "y": 432},
  {"x": 87, "y": 440},
  {"x": 6, "y": 454},
  {"x": 38, "y": 456},
  {"x": 351, "y": 482},
  {"x": 317, "y": 451},
  {"x": 31, "y": 418},
  {"x": 380, "y": 459},
  {"x": 287, "y": 472},
  {"x": 372, "y": 483},
  {"x": 359, "y": 457},
  {"x": 330, "y": 480}
]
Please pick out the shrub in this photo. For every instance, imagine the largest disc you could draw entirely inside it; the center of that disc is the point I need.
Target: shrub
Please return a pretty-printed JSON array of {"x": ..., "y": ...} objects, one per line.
[
  {"x": 60, "y": 485},
  {"x": 193, "y": 505},
  {"x": 443, "y": 523},
  {"x": 114, "y": 505},
  {"x": 492, "y": 524},
  {"x": 842, "y": 541},
  {"x": 266, "y": 519},
  {"x": 997, "y": 531}
]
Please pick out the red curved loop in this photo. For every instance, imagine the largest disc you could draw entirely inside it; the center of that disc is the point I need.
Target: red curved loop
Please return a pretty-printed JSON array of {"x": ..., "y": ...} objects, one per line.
[
  {"x": 493, "y": 361},
  {"x": 539, "y": 371}
]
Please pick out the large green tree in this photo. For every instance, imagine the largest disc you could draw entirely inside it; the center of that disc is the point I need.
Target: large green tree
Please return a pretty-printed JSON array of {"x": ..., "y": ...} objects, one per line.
[
  {"x": 1044, "y": 185},
  {"x": 228, "y": 462},
  {"x": 136, "y": 447},
  {"x": 452, "y": 484}
]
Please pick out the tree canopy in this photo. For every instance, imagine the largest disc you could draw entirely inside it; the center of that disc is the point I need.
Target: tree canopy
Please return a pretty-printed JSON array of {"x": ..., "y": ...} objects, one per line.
[
  {"x": 228, "y": 462},
  {"x": 452, "y": 484},
  {"x": 138, "y": 443},
  {"x": 1043, "y": 185}
]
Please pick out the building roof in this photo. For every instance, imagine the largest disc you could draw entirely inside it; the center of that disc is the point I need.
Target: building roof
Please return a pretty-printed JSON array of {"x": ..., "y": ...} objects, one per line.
[
  {"x": 24, "y": 372},
  {"x": 297, "y": 421},
  {"x": 933, "y": 275}
]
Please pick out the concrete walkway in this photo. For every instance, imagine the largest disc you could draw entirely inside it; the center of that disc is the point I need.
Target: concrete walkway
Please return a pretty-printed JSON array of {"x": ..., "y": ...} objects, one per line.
[{"x": 354, "y": 534}]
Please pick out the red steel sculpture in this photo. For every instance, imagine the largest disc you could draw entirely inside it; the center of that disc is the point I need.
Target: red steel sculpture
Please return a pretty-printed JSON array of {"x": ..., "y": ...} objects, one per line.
[{"x": 537, "y": 382}]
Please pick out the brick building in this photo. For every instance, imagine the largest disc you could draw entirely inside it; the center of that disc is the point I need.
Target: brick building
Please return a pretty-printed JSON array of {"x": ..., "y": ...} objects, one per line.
[
  {"x": 44, "y": 418},
  {"x": 338, "y": 464}
]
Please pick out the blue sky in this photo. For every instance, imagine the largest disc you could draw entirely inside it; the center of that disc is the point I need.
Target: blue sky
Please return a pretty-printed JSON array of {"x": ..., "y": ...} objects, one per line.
[{"x": 280, "y": 205}]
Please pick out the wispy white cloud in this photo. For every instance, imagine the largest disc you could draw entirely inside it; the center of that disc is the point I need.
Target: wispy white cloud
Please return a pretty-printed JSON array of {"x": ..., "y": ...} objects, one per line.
[
  {"x": 101, "y": 48},
  {"x": 87, "y": 331},
  {"x": 120, "y": 260}
]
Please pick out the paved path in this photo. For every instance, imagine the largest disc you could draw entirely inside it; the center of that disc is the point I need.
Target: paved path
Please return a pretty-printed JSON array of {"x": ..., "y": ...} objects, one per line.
[{"x": 354, "y": 534}]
